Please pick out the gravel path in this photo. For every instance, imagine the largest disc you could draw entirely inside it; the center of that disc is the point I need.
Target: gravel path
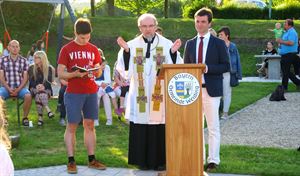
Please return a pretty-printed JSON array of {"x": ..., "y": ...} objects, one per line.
[{"x": 265, "y": 123}]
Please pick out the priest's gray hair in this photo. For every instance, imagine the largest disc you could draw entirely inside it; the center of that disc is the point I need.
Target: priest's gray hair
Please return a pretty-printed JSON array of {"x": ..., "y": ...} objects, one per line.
[{"x": 147, "y": 15}]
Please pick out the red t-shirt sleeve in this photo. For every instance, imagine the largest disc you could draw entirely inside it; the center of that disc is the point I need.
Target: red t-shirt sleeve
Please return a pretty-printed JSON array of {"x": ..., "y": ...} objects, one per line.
[{"x": 62, "y": 59}]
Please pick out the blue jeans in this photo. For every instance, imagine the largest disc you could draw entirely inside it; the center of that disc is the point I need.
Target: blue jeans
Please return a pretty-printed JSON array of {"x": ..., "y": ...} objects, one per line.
[{"x": 5, "y": 94}]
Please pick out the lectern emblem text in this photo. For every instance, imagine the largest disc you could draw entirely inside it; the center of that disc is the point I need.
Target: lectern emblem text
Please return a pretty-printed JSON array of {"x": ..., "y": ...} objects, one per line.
[{"x": 183, "y": 89}]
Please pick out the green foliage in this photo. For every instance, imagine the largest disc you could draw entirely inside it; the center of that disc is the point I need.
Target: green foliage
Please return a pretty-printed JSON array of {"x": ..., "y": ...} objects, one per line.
[
  {"x": 277, "y": 3},
  {"x": 230, "y": 10},
  {"x": 175, "y": 9},
  {"x": 190, "y": 8},
  {"x": 242, "y": 12},
  {"x": 31, "y": 18},
  {"x": 139, "y": 7},
  {"x": 287, "y": 9}
]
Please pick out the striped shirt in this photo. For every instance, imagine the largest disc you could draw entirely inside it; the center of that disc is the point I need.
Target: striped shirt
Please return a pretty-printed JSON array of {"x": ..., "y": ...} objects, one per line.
[{"x": 13, "y": 70}]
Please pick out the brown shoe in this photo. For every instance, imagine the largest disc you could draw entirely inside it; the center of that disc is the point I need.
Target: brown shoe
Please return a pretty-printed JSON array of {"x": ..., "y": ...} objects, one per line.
[
  {"x": 72, "y": 168},
  {"x": 96, "y": 165}
]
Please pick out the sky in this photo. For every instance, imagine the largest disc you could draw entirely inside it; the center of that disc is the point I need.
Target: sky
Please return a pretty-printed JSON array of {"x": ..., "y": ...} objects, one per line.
[{"x": 80, "y": 4}]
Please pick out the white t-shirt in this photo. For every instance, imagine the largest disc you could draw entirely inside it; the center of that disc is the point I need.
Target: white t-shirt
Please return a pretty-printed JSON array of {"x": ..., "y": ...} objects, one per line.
[{"x": 6, "y": 166}]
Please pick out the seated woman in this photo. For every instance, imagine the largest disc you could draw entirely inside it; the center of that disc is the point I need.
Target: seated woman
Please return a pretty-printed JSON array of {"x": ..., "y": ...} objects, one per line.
[
  {"x": 41, "y": 75},
  {"x": 268, "y": 51}
]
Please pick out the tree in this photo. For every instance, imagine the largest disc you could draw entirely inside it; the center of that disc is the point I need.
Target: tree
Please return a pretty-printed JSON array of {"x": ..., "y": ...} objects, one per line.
[
  {"x": 110, "y": 7},
  {"x": 93, "y": 11},
  {"x": 138, "y": 7},
  {"x": 166, "y": 8}
]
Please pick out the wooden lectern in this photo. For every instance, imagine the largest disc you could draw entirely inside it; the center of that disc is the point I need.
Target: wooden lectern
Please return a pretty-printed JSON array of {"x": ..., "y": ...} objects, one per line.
[{"x": 184, "y": 138}]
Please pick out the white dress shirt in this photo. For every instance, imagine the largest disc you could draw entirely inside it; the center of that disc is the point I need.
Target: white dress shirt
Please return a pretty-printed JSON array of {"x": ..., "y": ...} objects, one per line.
[{"x": 205, "y": 45}]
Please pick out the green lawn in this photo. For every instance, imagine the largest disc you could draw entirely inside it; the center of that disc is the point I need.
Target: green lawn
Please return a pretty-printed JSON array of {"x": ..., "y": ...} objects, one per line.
[{"x": 44, "y": 146}]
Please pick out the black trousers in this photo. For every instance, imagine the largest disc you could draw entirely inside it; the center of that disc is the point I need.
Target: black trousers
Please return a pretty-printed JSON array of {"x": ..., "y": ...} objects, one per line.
[
  {"x": 147, "y": 146},
  {"x": 297, "y": 67},
  {"x": 287, "y": 60},
  {"x": 61, "y": 101}
]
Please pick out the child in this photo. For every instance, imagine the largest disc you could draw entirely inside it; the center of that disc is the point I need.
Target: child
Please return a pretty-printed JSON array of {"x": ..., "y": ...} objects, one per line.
[
  {"x": 268, "y": 51},
  {"x": 30, "y": 54},
  {"x": 105, "y": 91},
  {"x": 278, "y": 31},
  {"x": 121, "y": 87}
]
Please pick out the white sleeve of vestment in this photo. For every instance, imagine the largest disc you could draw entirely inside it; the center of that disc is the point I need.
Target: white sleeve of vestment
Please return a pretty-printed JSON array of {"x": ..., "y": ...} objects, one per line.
[
  {"x": 121, "y": 65},
  {"x": 179, "y": 59}
]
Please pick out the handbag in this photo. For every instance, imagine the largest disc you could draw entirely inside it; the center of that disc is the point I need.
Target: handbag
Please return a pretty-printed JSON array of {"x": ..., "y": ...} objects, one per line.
[{"x": 233, "y": 80}]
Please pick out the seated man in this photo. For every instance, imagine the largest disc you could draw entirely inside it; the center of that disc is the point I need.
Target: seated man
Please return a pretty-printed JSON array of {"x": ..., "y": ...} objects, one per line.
[{"x": 14, "y": 76}]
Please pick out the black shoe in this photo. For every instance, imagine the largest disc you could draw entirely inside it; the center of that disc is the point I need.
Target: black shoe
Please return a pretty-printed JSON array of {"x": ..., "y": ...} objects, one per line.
[
  {"x": 298, "y": 149},
  {"x": 143, "y": 168},
  {"x": 211, "y": 167},
  {"x": 160, "y": 168}
]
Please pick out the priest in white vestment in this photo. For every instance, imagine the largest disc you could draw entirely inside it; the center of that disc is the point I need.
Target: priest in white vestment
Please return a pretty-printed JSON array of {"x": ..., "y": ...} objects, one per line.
[{"x": 139, "y": 62}]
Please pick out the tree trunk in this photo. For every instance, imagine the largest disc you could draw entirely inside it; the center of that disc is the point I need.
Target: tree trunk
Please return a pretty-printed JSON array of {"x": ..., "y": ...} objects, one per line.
[
  {"x": 93, "y": 8},
  {"x": 166, "y": 7},
  {"x": 110, "y": 7}
]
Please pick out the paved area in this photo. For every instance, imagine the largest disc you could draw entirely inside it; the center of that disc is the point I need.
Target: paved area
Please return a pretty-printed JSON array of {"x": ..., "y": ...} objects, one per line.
[
  {"x": 85, "y": 171},
  {"x": 265, "y": 123},
  {"x": 259, "y": 79}
]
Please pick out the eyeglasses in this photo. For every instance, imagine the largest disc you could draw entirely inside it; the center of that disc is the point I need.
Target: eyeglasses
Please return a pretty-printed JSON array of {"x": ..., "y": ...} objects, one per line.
[{"x": 147, "y": 26}]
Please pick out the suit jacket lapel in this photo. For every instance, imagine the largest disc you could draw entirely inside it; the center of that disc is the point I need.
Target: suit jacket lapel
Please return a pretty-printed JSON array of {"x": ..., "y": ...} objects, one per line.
[{"x": 194, "y": 45}]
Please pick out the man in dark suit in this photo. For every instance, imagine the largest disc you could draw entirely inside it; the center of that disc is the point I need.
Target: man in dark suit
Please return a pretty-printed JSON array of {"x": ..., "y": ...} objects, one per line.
[{"x": 211, "y": 51}]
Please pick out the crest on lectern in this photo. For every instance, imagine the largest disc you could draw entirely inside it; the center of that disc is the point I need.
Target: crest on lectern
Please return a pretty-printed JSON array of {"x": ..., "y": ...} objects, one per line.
[{"x": 183, "y": 89}]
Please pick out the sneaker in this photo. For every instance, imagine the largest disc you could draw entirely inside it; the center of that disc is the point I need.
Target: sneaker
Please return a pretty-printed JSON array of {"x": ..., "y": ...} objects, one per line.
[
  {"x": 259, "y": 71},
  {"x": 117, "y": 112},
  {"x": 122, "y": 110},
  {"x": 72, "y": 168},
  {"x": 96, "y": 122},
  {"x": 95, "y": 164},
  {"x": 224, "y": 117},
  {"x": 109, "y": 122},
  {"x": 62, "y": 122}
]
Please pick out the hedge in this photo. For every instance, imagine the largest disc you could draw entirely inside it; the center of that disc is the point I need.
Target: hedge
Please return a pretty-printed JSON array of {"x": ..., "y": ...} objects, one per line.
[{"x": 233, "y": 12}]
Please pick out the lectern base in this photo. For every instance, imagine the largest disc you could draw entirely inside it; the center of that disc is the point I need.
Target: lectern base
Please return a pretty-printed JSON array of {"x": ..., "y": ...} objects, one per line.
[
  {"x": 162, "y": 174},
  {"x": 165, "y": 174}
]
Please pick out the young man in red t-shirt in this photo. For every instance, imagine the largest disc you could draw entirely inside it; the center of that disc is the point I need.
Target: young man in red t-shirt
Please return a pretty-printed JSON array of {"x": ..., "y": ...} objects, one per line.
[{"x": 81, "y": 93}]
